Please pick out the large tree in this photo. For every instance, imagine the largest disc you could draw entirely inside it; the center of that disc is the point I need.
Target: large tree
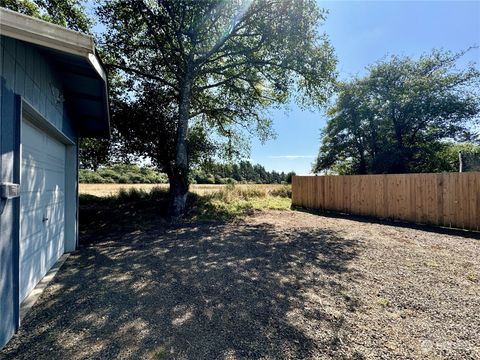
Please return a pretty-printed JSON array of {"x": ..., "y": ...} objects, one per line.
[
  {"x": 210, "y": 67},
  {"x": 401, "y": 116},
  {"x": 67, "y": 13}
]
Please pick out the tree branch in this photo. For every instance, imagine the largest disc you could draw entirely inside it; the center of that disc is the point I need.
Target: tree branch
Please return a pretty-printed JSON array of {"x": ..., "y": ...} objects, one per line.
[{"x": 142, "y": 74}]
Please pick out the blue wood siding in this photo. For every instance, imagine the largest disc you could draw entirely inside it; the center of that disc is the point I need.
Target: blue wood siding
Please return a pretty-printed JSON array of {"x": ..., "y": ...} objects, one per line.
[
  {"x": 8, "y": 243},
  {"x": 25, "y": 72},
  {"x": 32, "y": 76}
]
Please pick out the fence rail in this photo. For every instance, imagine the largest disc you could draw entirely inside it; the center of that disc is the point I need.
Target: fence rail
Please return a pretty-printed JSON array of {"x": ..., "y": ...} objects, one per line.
[{"x": 446, "y": 199}]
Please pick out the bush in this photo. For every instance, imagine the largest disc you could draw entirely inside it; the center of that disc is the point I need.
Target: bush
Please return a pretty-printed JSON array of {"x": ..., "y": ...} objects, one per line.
[
  {"x": 90, "y": 177},
  {"x": 232, "y": 193},
  {"x": 123, "y": 180},
  {"x": 158, "y": 193},
  {"x": 285, "y": 192},
  {"x": 109, "y": 174},
  {"x": 234, "y": 201},
  {"x": 134, "y": 178},
  {"x": 131, "y": 194},
  {"x": 123, "y": 174},
  {"x": 155, "y": 178}
]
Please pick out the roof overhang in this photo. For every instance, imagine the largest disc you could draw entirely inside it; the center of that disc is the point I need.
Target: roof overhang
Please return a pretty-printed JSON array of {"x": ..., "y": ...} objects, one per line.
[{"x": 74, "y": 54}]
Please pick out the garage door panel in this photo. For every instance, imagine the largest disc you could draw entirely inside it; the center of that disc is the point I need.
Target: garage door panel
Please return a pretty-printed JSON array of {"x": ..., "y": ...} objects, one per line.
[
  {"x": 29, "y": 132},
  {"x": 34, "y": 198},
  {"x": 55, "y": 247},
  {"x": 34, "y": 243},
  {"x": 55, "y": 163},
  {"x": 52, "y": 188},
  {"x": 42, "y": 204},
  {"x": 33, "y": 267},
  {"x": 31, "y": 159},
  {"x": 53, "y": 146},
  {"x": 50, "y": 251},
  {"x": 33, "y": 178},
  {"x": 36, "y": 264},
  {"x": 52, "y": 170},
  {"x": 55, "y": 215},
  {"x": 42, "y": 172},
  {"x": 31, "y": 223},
  {"x": 41, "y": 238},
  {"x": 53, "y": 197},
  {"x": 31, "y": 156},
  {"x": 33, "y": 151}
]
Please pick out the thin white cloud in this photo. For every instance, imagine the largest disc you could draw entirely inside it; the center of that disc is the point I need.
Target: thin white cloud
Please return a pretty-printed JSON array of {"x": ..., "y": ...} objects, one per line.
[{"x": 291, "y": 156}]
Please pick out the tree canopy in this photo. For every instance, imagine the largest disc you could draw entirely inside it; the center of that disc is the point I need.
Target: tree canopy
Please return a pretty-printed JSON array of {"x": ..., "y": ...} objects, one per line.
[
  {"x": 67, "y": 13},
  {"x": 402, "y": 116},
  {"x": 192, "y": 73}
]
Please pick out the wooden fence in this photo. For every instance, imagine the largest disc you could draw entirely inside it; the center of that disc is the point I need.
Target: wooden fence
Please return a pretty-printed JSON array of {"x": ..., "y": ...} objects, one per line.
[{"x": 446, "y": 199}]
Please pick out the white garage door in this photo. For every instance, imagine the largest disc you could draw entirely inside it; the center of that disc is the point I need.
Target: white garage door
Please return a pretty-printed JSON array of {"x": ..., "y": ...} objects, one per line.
[{"x": 42, "y": 205}]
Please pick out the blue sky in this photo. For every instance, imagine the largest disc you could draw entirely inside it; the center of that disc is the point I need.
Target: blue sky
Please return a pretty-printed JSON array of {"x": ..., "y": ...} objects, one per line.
[{"x": 362, "y": 33}]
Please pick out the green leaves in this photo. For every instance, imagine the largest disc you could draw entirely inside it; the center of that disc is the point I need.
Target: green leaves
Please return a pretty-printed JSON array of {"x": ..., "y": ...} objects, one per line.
[
  {"x": 398, "y": 117},
  {"x": 67, "y": 13}
]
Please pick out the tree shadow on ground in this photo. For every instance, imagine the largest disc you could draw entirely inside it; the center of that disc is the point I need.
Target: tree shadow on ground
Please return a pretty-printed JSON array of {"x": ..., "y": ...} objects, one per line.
[
  {"x": 469, "y": 234},
  {"x": 195, "y": 291}
]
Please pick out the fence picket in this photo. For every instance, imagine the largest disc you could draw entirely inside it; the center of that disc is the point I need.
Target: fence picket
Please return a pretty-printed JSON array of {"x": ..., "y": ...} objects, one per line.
[{"x": 447, "y": 199}]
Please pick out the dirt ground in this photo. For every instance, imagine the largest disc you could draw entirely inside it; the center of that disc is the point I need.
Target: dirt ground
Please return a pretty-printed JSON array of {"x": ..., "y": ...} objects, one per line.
[{"x": 277, "y": 285}]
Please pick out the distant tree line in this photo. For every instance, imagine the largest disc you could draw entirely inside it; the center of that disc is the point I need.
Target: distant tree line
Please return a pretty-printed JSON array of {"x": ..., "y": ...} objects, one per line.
[
  {"x": 122, "y": 174},
  {"x": 213, "y": 173},
  {"x": 244, "y": 171}
]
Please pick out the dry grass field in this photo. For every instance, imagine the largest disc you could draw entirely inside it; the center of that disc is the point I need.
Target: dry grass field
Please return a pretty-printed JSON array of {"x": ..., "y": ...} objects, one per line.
[
  {"x": 200, "y": 189},
  {"x": 205, "y": 202}
]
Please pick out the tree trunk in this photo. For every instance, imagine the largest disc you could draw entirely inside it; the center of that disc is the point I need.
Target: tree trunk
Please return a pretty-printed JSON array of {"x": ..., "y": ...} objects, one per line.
[
  {"x": 179, "y": 174},
  {"x": 401, "y": 163},
  {"x": 178, "y": 194}
]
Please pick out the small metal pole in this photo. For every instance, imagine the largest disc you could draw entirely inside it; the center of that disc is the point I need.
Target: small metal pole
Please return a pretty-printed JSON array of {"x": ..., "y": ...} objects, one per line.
[{"x": 460, "y": 163}]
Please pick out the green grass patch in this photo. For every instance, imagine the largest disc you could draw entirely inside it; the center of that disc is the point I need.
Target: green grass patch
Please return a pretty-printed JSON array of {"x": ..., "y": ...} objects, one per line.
[
  {"x": 233, "y": 202},
  {"x": 383, "y": 302},
  {"x": 213, "y": 208},
  {"x": 160, "y": 353},
  {"x": 472, "y": 277}
]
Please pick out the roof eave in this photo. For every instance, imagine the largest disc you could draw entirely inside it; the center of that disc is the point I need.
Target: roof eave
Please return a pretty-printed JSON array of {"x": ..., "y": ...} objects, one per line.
[
  {"x": 43, "y": 33},
  {"x": 38, "y": 32}
]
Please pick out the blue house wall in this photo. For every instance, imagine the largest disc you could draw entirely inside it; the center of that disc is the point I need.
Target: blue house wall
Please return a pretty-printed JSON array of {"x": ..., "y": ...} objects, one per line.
[{"x": 25, "y": 73}]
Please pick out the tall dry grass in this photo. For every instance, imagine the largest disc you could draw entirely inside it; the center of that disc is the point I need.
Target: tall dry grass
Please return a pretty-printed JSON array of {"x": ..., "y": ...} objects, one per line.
[
  {"x": 204, "y": 201},
  {"x": 200, "y": 189}
]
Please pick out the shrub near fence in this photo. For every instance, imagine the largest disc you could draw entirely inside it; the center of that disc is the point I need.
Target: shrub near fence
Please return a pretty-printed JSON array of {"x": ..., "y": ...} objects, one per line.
[{"x": 446, "y": 199}]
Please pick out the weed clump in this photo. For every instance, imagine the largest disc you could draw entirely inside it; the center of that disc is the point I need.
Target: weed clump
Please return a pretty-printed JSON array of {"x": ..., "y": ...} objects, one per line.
[
  {"x": 235, "y": 201},
  {"x": 285, "y": 191}
]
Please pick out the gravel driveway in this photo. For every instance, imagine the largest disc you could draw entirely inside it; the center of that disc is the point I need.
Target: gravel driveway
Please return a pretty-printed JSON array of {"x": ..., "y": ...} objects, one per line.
[{"x": 277, "y": 285}]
